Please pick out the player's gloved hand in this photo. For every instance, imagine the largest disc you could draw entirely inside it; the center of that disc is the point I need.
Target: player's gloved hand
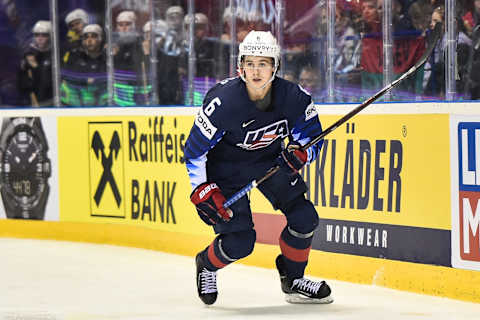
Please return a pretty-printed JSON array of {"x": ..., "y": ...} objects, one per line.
[
  {"x": 292, "y": 158},
  {"x": 209, "y": 200}
]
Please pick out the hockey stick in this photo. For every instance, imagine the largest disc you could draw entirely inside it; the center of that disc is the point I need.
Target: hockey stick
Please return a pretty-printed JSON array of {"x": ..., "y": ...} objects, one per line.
[
  {"x": 436, "y": 35},
  {"x": 33, "y": 96}
]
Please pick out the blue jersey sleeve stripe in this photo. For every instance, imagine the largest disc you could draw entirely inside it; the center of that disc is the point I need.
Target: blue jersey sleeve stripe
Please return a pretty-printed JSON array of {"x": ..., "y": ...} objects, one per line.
[
  {"x": 309, "y": 132},
  {"x": 302, "y": 125},
  {"x": 198, "y": 144},
  {"x": 196, "y": 150},
  {"x": 195, "y": 146}
]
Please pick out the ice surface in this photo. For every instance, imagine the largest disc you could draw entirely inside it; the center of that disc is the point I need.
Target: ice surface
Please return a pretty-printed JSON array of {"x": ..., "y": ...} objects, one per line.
[{"x": 53, "y": 280}]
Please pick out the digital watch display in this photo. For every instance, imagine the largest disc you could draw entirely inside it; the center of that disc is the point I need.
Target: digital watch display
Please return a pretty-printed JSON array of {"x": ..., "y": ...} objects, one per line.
[{"x": 24, "y": 168}]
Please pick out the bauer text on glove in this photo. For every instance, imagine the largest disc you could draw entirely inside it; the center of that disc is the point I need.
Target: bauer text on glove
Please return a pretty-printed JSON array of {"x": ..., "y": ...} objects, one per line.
[{"x": 209, "y": 200}]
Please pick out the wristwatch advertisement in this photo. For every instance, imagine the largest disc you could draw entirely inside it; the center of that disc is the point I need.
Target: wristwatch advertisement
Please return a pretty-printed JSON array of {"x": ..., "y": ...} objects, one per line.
[{"x": 25, "y": 168}]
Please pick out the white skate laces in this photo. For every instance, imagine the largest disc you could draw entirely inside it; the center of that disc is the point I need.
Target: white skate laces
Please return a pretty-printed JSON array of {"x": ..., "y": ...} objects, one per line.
[
  {"x": 208, "y": 281},
  {"x": 306, "y": 286}
]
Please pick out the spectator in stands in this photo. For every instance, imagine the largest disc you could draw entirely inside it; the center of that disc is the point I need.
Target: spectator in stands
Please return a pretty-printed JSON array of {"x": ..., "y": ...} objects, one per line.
[
  {"x": 76, "y": 21},
  {"x": 408, "y": 46},
  {"x": 168, "y": 79},
  {"x": 211, "y": 56},
  {"x": 174, "y": 39},
  {"x": 420, "y": 12},
  {"x": 434, "y": 78},
  {"x": 159, "y": 32},
  {"x": 371, "y": 60},
  {"x": 35, "y": 73},
  {"x": 174, "y": 18},
  {"x": 126, "y": 22},
  {"x": 310, "y": 80},
  {"x": 298, "y": 52},
  {"x": 126, "y": 30},
  {"x": 473, "y": 66},
  {"x": 131, "y": 85},
  {"x": 472, "y": 18},
  {"x": 204, "y": 48},
  {"x": 464, "y": 47},
  {"x": 84, "y": 77},
  {"x": 347, "y": 57}
]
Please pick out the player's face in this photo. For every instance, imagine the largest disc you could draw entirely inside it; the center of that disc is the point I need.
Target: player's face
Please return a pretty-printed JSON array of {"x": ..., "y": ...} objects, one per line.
[
  {"x": 174, "y": 20},
  {"x": 42, "y": 40},
  {"x": 91, "y": 42},
  {"x": 77, "y": 26},
  {"x": 124, "y": 26},
  {"x": 257, "y": 70}
]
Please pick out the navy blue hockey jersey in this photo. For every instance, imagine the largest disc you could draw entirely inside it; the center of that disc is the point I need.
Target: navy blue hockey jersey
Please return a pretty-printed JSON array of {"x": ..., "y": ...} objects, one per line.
[{"x": 233, "y": 142}]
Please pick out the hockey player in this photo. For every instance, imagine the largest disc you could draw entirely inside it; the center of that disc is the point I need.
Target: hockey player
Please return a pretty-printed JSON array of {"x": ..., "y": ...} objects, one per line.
[
  {"x": 236, "y": 137},
  {"x": 129, "y": 85},
  {"x": 84, "y": 78},
  {"x": 35, "y": 73},
  {"x": 76, "y": 21}
]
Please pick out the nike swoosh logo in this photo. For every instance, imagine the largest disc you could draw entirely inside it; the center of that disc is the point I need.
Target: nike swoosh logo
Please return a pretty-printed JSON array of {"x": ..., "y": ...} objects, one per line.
[
  {"x": 294, "y": 182},
  {"x": 246, "y": 124}
]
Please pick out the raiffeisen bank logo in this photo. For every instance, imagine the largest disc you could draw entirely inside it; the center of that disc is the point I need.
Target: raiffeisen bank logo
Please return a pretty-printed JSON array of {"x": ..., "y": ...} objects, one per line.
[
  {"x": 466, "y": 213},
  {"x": 106, "y": 170}
]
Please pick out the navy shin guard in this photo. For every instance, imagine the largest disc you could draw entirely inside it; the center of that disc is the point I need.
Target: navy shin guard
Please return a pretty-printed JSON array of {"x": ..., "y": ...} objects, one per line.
[{"x": 228, "y": 248}]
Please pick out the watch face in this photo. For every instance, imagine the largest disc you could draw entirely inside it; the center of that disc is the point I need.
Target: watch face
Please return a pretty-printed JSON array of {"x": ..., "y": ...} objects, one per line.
[{"x": 25, "y": 168}]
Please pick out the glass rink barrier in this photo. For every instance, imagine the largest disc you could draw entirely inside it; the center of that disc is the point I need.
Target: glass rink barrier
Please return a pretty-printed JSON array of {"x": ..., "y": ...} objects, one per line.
[{"x": 170, "y": 52}]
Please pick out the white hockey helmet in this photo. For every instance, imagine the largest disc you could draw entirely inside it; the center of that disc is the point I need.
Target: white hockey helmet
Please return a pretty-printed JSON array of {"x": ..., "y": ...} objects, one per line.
[
  {"x": 200, "y": 18},
  {"x": 77, "y": 14},
  {"x": 42, "y": 26},
  {"x": 93, "y": 28},
  {"x": 127, "y": 16},
  {"x": 260, "y": 44},
  {"x": 174, "y": 10}
]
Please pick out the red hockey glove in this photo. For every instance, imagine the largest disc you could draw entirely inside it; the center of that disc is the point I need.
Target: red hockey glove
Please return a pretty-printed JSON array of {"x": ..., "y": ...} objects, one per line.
[
  {"x": 292, "y": 158},
  {"x": 209, "y": 201}
]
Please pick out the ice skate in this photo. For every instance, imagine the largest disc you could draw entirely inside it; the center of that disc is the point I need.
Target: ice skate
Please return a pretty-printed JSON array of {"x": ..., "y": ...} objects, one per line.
[
  {"x": 302, "y": 290},
  {"x": 206, "y": 282}
]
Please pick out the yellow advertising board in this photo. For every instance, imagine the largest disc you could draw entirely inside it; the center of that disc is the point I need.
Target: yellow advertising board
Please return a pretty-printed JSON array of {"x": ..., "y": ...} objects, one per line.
[
  {"x": 387, "y": 169},
  {"x": 128, "y": 170}
]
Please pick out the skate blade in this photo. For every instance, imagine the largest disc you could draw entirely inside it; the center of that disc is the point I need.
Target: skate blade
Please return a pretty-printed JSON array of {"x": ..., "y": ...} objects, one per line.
[{"x": 297, "y": 298}]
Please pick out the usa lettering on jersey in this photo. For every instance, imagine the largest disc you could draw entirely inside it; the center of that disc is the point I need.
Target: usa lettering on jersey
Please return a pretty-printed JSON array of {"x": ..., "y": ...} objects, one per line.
[{"x": 263, "y": 137}]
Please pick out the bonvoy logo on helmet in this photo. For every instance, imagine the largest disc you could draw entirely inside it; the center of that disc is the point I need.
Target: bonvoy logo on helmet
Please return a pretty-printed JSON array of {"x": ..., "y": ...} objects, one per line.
[{"x": 255, "y": 47}]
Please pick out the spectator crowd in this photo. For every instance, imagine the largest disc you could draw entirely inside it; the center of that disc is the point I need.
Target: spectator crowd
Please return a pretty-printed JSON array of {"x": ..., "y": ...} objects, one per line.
[{"x": 151, "y": 62}]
